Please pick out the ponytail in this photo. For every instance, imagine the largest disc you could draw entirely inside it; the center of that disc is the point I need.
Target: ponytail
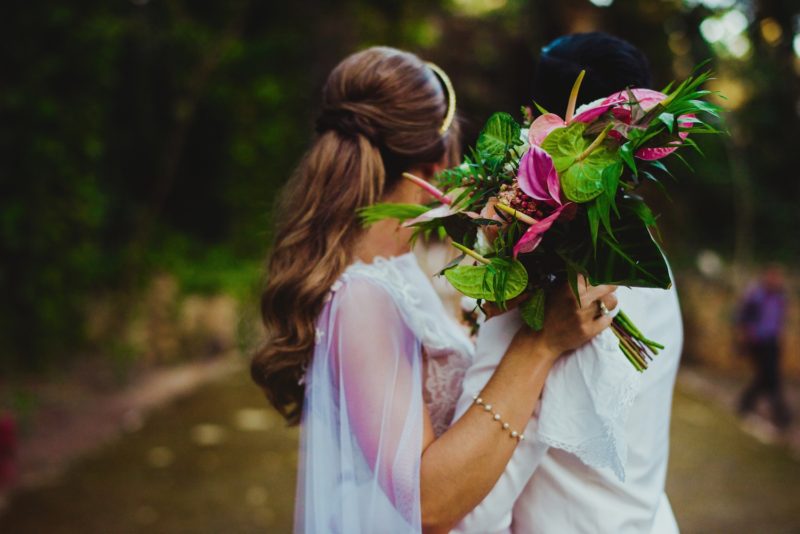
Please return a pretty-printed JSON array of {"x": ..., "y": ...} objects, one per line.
[{"x": 382, "y": 110}]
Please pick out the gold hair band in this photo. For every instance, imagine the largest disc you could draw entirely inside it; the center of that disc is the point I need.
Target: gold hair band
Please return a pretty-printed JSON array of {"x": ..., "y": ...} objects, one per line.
[{"x": 451, "y": 96}]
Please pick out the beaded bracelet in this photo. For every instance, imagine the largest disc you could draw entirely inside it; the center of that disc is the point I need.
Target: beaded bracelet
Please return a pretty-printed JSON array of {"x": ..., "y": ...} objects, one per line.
[{"x": 496, "y": 416}]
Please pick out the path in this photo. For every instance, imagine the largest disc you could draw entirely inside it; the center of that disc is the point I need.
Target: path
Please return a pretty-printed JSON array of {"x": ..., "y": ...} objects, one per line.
[{"x": 217, "y": 461}]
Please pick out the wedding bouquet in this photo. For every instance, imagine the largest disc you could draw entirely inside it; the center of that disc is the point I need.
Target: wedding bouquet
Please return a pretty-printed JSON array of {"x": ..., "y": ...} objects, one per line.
[{"x": 538, "y": 203}]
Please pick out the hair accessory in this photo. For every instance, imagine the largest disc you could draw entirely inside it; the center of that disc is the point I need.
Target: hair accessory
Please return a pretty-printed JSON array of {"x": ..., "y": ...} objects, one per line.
[
  {"x": 451, "y": 96},
  {"x": 513, "y": 434}
]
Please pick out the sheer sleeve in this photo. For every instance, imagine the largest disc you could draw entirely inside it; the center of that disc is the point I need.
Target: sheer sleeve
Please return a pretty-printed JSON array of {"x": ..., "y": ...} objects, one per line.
[{"x": 362, "y": 423}]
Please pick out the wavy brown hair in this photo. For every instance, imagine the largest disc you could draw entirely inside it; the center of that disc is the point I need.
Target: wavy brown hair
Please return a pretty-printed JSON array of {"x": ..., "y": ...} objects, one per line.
[{"x": 382, "y": 110}]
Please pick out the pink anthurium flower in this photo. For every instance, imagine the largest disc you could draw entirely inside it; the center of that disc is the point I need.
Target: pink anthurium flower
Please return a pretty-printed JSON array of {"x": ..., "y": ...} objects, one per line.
[
  {"x": 548, "y": 122},
  {"x": 647, "y": 99},
  {"x": 618, "y": 103},
  {"x": 534, "y": 235},
  {"x": 538, "y": 179},
  {"x": 542, "y": 126}
]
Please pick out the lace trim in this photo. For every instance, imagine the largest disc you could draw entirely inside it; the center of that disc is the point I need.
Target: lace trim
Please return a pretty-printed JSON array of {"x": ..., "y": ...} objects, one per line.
[
  {"x": 611, "y": 449},
  {"x": 444, "y": 378}
]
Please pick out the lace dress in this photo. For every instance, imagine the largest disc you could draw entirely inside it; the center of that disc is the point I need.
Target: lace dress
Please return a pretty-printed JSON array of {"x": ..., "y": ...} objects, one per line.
[{"x": 385, "y": 348}]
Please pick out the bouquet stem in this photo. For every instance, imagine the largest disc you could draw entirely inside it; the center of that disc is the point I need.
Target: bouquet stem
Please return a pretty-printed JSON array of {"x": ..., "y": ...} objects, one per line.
[{"x": 634, "y": 345}]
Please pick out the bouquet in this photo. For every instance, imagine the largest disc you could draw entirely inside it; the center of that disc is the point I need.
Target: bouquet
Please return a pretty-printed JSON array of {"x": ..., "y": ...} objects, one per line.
[{"x": 542, "y": 202}]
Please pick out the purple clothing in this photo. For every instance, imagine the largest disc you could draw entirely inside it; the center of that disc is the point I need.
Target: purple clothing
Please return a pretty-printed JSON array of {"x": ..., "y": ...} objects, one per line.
[{"x": 762, "y": 313}]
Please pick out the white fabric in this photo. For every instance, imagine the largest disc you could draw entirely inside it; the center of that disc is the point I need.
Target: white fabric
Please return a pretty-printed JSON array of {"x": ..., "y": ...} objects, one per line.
[
  {"x": 595, "y": 410},
  {"x": 448, "y": 350},
  {"x": 361, "y": 433}
]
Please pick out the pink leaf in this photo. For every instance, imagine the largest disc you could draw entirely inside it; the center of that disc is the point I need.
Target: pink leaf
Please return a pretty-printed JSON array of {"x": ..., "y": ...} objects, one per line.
[{"x": 438, "y": 212}]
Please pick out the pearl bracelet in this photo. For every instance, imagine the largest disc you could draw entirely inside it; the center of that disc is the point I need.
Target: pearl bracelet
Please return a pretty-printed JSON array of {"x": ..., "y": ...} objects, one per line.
[{"x": 496, "y": 416}]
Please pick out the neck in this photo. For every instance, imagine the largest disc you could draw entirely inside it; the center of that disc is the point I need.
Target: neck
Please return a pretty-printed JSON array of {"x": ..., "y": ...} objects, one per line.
[
  {"x": 383, "y": 239},
  {"x": 388, "y": 237}
]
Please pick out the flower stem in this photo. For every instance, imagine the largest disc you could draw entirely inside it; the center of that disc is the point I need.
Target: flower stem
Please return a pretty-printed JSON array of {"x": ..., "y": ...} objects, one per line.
[
  {"x": 629, "y": 348},
  {"x": 471, "y": 253},
  {"x": 596, "y": 143},
  {"x": 626, "y": 322},
  {"x": 573, "y": 96},
  {"x": 437, "y": 194},
  {"x": 527, "y": 219}
]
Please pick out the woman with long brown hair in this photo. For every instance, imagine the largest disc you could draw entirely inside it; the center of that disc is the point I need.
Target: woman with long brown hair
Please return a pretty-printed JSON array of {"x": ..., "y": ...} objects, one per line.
[{"x": 360, "y": 350}]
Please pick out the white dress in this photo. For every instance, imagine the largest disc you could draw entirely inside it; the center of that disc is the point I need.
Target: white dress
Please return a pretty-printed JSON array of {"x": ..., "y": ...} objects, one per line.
[{"x": 385, "y": 347}]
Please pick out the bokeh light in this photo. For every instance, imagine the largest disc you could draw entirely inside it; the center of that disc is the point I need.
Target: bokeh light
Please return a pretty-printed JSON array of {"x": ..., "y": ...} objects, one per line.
[{"x": 727, "y": 33}]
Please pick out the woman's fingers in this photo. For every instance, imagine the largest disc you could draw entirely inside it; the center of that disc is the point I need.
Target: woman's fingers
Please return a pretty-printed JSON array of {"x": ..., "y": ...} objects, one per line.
[
  {"x": 610, "y": 300},
  {"x": 589, "y": 293},
  {"x": 597, "y": 292},
  {"x": 603, "y": 322}
]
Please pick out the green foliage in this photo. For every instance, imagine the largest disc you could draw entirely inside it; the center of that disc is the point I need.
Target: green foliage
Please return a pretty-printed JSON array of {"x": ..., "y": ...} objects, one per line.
[
  {"x": 126, "y": 125},
  {"x": 581, "y": 179},
  {"x": 532, "y": 310},
  {"x": 631, "y": 257},
  {"x": 500, "y": 134},
  {"x": 378, "y": 212},
  {"x": 499, "y": 281}
]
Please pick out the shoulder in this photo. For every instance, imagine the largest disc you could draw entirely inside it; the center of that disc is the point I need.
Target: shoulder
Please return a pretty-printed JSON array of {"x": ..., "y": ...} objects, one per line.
[
  {"x": 360, "y": 289},
  {"x": 380, "y": 283},
  {"x": 363, "y": 302}
]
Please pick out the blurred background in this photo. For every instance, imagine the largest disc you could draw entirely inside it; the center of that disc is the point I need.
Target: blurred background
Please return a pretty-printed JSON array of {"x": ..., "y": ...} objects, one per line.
[{"x": 142, "y": 143}]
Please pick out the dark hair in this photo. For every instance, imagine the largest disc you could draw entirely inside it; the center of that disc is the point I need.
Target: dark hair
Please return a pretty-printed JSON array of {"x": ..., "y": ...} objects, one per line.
[
  {"x": 611, "y": 65},
  {"x": 382, "y": 111}
]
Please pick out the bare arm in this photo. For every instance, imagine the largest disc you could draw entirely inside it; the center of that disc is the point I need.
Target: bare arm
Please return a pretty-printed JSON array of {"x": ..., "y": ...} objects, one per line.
[{"x": 460, "y": 468}]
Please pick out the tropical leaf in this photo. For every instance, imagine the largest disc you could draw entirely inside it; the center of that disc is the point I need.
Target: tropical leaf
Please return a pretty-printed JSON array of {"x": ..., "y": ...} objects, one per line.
[
  {"x": 626, "y": 152},
  {"x": 642, "y": 210},
  {"x": 593, "y": 215},
  {"x": 581, "y": 179},
  {"x": 500, "y": 134},
  {"x": 378, "y": 212},
  {"x": 500, "y": 281},
  {"x": 668, "y": 119},
  {"x": 633, "y": 259},
  {"x": 532, "y": 310}
]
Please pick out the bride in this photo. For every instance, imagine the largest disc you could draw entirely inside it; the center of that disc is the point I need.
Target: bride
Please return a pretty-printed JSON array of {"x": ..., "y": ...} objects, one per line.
[{"x": 360, "y": 350}]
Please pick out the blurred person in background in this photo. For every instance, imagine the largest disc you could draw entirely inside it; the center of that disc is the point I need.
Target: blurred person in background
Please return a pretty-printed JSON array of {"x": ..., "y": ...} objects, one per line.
[{"x": 760, "y": 322}]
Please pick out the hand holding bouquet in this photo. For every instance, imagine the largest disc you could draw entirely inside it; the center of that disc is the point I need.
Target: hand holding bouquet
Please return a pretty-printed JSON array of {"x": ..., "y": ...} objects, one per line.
[{"x": 537, "y": 206}]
